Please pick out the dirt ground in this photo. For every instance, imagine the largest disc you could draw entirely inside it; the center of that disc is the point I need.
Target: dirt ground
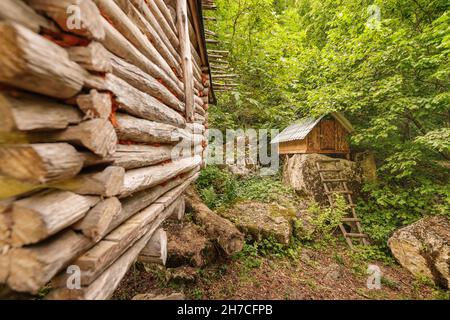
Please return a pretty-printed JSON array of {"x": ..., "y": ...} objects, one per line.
[{"x": 315, "y": 274}]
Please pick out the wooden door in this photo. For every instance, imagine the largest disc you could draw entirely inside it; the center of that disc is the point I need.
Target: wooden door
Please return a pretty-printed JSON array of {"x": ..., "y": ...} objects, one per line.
[{"x": 327, "y": 135}]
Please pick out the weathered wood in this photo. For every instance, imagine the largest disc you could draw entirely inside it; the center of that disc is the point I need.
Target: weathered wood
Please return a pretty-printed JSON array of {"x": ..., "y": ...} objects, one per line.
[
  {"x": 155, "y": 251},
  {"x": 138, "y": 156},
  {"x": 95, "y": 104},
  {"x": 94, "y": 57},
  {"x": 196, "y": 128},
  {"x": 4, "y": 266},
  {"x": 31, "y": 62},
  {"x": 107, "y": 183},
  {"x": 179, "y": 210},
  {"x": 167, "y": 15},
  {"x": 33, "y": 266},
  {"x": 40, "y": 163},
  {"x": 152, "y": 35},
  {"x": 17, "y": 11},
  {"x": 131, "y": 32},
  {"x": 228, "y": 237},
  {"x": 97, "y": 222},
  {"x": 145, "y": 83},
  {"x": 134, "y": 129},
  {"x": 37, "y": 217},
  {"x": 171, "y": 34},
  {"x": 80, "y": 17},
  {"x": 120, "y": 46},
  {"x": 144, "y": 178},
  {"x": 186, "y": 58},
  {"x": 26, "y": 112},
  {"x": 141, "y": 104}
]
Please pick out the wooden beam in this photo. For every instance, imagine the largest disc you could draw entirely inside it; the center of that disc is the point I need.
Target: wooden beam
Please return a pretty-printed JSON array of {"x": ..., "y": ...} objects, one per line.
[{"x": 155, "y": 251}]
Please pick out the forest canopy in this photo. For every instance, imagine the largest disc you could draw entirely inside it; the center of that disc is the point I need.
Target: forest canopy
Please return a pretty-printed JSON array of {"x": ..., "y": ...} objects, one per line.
[{"x": 384, "y": 64}]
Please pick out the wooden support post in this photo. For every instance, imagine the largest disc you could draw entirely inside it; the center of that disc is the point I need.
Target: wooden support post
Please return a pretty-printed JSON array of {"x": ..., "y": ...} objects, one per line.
[{"x": 186, "y": 58}]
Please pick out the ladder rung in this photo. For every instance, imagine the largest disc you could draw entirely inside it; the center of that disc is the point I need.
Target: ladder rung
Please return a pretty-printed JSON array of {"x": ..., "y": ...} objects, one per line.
[
  {"x": 340, "y": 191},
  {"x": 335, "y": 180},
  {"x": 356, "y": 235},
  {"x": 351, "y": 220}
]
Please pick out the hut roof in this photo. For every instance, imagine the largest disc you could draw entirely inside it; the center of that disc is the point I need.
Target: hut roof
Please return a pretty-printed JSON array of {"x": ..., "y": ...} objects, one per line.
[{"x": 300, "y": 129}]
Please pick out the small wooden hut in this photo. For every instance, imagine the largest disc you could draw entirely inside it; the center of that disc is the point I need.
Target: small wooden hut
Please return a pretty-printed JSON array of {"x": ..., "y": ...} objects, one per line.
[{"x": 327, "y": 134}]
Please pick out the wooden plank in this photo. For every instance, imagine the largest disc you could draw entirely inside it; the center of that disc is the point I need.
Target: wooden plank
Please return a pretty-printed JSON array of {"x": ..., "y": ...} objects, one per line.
[
  {"x": 37, "y": 217},
  {"x": 26, "y": 112},
  {"x": 80, "y": 17},
  {"x": 31, "y": 62},
  {"x": 186, "y": 58}
]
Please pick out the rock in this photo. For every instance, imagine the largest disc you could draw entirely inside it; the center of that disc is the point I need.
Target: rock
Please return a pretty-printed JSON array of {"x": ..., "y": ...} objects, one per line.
[
  {"x": 333, "y": 272},
  {"x": 366, "y": 161},
  {"x": 300, "y": 172},
  {"x": 424, "y": 248},
  {"x": 188, "y": 246},
  {"x": 262, "y": 220},
  {"x": 183, "y": 275},
  {"x": 151, "y": 296}
]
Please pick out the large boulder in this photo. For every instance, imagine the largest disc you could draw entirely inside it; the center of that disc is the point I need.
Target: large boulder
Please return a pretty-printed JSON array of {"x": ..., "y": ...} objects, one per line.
[
  {"x": 300, "y": 172},
  {"x": 424, "y": 248},
  {"x": 262, "y": 220}
]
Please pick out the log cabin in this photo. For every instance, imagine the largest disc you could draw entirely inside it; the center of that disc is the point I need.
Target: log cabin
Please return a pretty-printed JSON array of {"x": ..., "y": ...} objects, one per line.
[
  {"x": 93, "y": 116},
  {"x": 327, "y": 134}
]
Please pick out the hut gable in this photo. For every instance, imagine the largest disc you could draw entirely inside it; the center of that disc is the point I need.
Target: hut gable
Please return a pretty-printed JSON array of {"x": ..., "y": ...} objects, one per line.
[{"x": 325, "y": 134}]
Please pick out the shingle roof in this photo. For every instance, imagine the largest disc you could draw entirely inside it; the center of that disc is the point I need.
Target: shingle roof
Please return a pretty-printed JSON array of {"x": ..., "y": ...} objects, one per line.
[{"x": 299, "y": 130}]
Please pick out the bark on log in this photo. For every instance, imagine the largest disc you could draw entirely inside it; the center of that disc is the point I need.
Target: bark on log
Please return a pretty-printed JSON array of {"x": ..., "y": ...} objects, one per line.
[
  {"x": 144, "y": 178},
  {"x": 95, "y": 104},
  {"x": 33, "y": 63},
  {"x": 94, "y": 57},
  {"x": 17, "y": 11},
  {"x": 141, "y": 104},
  {"x": 228, "y": 237},
  {"x": 145, "y": 83},
  {"x": 137, "y": 156},
  {"x": 134, "y": 129},
  {"x": 37, "y": 217},
  {"x": 40, "y": 163},
  {"x": 120, "y": 46},
  {"x": 97, "y": 222},
  {"x": 80, "y": 17},
  {"x": 131, "y": 32},
  {"x": 33, "y": 113},
  {"x": 155, "y": 251}
]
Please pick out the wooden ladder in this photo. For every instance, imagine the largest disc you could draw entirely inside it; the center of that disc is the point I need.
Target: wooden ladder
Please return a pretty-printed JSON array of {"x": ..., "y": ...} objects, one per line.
[{"x": 333, "y": 177}]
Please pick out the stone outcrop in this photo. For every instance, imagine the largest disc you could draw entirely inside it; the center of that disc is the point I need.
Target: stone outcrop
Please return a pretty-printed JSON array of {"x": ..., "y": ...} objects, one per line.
[
  {"x": 300, "y": 172},
  {"x": 424, "y": 248}
]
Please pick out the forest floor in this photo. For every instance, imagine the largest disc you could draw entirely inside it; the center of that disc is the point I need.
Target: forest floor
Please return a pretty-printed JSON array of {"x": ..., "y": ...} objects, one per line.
[{"x": 316, "y": 273}]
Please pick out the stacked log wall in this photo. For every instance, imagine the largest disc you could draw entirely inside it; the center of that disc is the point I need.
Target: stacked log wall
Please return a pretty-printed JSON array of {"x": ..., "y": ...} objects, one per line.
[{"x": 102, "y": 130}]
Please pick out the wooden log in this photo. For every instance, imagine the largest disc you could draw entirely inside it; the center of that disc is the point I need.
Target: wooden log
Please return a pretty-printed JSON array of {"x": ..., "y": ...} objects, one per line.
[
  {"x": 152, "y": 35},
  {"x": 5, "y": 227},
  {"x": 4, "y": 266},
  {"x": 40, "y": 163},
  {"x": 120, "y": 46},
  {"x": 37, "y": 217},
  {"x": 80, "y": 17},
  {"x": 33, "y": 266},
  {"x": 105, "y": 285},
  {"x": 26, "y": 112},
  {"x": 227, "y": 236},
  {"x": 171, "y": 34},
  {"x": 97, "y": 222},
  {"x": 167, "y": 15},
  {"x": 186, "y": 58},
  {"x": 195, "y": 128},
  {"x": 145, "y": 83},
  {"x": 144, "y": 178},
  {"x": 140, "y": 104},
  {"x": 179, "y": 210},
  {"x": 155, "y": 251},
  {"x": 94, "y": 57},
  {"x": 138, "y": 156},
  {"x": 131, "y": 32},
  {"x": 31, "y": 62},
  {"x": 143, "y": 131},
  {"x": 17, "y": 11},
  {"x": 95, "y": 104},
  {"x": 140, "y": 200},
  {"x": 107, "y": 183},
  {"x": 97, "y": 135}
]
